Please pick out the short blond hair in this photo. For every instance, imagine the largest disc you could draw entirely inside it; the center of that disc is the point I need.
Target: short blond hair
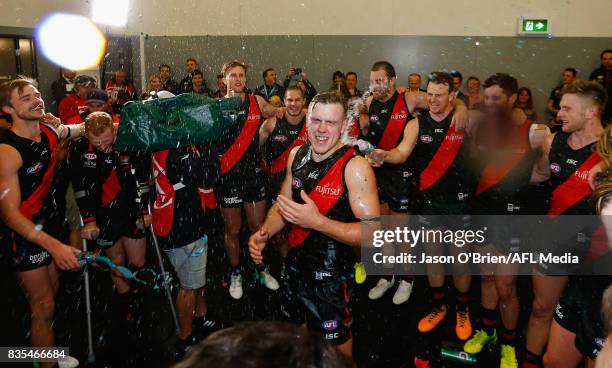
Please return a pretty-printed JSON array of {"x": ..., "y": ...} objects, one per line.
[
  {"x": 97, "y": 122},
  {"x": 233, "y": 64}
]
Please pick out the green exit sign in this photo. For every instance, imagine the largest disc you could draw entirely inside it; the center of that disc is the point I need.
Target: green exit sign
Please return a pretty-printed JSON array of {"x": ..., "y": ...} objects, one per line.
[{"x": 533, "y": 27}]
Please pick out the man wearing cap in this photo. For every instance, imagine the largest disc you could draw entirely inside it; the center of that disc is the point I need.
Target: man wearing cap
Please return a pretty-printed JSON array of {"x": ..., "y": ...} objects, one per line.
[
  {"x": 73, "y": 104},
  {"x": 96, "y": 100}
]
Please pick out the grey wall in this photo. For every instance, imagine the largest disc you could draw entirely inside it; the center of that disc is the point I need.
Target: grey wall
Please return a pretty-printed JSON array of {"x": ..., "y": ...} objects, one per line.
[{"x": 536, "y": 62}]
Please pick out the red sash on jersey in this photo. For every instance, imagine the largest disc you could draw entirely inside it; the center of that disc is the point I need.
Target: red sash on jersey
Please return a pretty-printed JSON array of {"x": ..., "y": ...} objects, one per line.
[
  {"x": 443, "y": 159},
  {"x": 110, "y": 188},
  {"x": 163, "y": 207},
  {"x": 207, "y": 198},
  {"x": 395, "y": 126},
  {"x": 279, "y": 164},
  {"x": 573, "y": 189},
  {"x": 324, "y": 202},
  {"x": 239, "y": 147},
  {"x": 354, "y": 129},
  {"x": 495, "y": 172},
  {"x": 35, "y": 201}
]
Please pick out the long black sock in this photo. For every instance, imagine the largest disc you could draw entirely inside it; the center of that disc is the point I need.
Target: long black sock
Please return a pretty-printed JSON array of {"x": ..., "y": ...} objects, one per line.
[
  {"x": 532, "y": 360},
  {"x": 463, "y": 300},
  {"x": 438, "y": 296},
  {"x": 489, "y": 320},
  {"x": 508, "y": 337}
]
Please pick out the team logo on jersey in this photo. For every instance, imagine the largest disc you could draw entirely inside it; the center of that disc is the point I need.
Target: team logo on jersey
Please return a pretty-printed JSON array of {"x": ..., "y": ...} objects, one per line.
[
  {"x": 34, "y": 168},
  {"x": 296, "y": 183},
  {"x": 90, "y": 156},
  {"x": 555, "y": 168},
  {"x": 279, "y": 138},
  {"x": 374, "y": 118},
  {"x": 383, "y": 111},
  {"x": 313, "y": 175},
  {"x": 330, "y": 325},
  {"x": 426, "y": 138}
]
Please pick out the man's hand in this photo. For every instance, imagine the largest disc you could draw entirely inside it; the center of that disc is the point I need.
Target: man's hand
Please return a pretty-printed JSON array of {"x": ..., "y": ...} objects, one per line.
[
  {"x": 306, "y": 215},
  {"x": 90, "y": 231},
  {"x": 401, "y": 89},
  {"x": 279, "y": 112},
  {"x": 64, "y": 257},
  {"x": 460, "y": 118},
  {"x": 51, "y": 120},
  {"x": 257, "y": 243},
  {"x": 377, "y": 157}
]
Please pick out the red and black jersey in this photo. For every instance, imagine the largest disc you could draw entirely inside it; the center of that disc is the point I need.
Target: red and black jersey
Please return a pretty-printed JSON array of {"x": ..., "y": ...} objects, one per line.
[
  {"x": 36, "y": 174},
  {"x": 113, "y": 90},
  {"x": 108, "y": 180},
  {"x": 281, "y": 141},
  {"x": 440, "y": 160},
  {"x": 182, "y": 178},
  {"x": 504, "y": 172},
  {"x": 325, "y": 184},
  {"x": 240, "y": 144},
  {"x": 569, "y": 171}
]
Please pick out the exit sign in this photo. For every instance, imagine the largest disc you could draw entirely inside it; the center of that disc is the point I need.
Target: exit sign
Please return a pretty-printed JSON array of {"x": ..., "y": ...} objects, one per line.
[{"x": 535, "y": 27}]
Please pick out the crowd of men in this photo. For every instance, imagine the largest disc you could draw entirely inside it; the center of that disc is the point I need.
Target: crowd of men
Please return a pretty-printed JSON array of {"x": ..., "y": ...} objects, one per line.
[{"x": 287, "y": 168}]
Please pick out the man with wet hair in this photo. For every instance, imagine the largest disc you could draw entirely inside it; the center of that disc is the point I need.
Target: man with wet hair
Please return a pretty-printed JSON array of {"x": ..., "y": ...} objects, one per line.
[{"x": 327, "y": 189}]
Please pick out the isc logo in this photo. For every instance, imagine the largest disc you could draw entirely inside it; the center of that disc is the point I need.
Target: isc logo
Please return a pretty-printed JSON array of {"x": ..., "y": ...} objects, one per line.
[{"x": 572, "y": 162}]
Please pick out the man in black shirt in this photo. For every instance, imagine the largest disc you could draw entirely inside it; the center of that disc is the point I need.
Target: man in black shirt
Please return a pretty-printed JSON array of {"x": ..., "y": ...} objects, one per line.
[{"x": 603, "y": 75}]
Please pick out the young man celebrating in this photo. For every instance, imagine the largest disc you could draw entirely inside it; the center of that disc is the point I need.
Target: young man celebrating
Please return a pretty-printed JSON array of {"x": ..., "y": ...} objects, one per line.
[
  {"x": 240, "y": 159},
  {"x": 27, "y": 206},
  {"x": 327, "y": 189}
]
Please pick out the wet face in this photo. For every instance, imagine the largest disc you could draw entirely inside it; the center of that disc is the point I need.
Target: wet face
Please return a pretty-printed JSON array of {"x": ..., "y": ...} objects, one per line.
[
  {"x": 523, "y": 98},
  {"x": 197, "y": 80},
  {"x": 381, "y": 85},
  {"x": 606, "y": 60},
  {"x": 326, "y": 122},
  {"x": 574, "y": 112},
  {"x": 120, "y": 77},
  {"x": 473, "y": 86},
  {"x": 164, "y": 73},
  {"x": 414, "y": 82},
  {"x": 270, "y": 78},
  {"x": 351, "y": 81},
  {"x": 438, "y": 97},
  {"x": 104, "y": 141},
  {"x": 235, "y": 79},
  {"x": 156, "y": 84},
  {"x": 191, "y": 66},
  {"x": 294, "y": 102},
  {"x": 457, "y": 83},
  {"x": 96, "y": 106},
  {"x": 496, "y": 101},
  {"x": 568, "y": 77},
  {"x": 27, "y": 105}
]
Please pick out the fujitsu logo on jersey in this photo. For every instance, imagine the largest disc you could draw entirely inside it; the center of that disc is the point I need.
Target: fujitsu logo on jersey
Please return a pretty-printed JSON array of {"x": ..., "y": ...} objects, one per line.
[
  {"x": 582, "y": 175},
  {"x": 254, "y": 117},
  {"x": 454, "y": 137},
  {"x": 402, "y": 115},
  {"x": 327, "y": 191}
]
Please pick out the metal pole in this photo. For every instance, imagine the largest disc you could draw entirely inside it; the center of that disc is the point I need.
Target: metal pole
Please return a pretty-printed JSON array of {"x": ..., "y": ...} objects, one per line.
[{"x": 91, "y": 357}]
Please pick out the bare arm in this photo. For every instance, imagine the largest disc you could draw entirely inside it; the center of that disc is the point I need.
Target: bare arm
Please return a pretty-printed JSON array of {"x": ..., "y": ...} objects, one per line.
[
  {"x": 403, "y": 150},
  {"x": 266, "y": 129},
  {"x": 541, "y": 168},
  {"x": 11, "y": 215},
  {"x": 269, "y": 110},
  {"x": 364, "y": 117},
  {"x": 363, "y": 198},
  {"x": 415, "y": 100}
]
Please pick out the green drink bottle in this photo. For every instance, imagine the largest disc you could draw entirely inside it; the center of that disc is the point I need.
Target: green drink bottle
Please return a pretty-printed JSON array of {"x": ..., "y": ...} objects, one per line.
[{"x": 457, "y": 355}]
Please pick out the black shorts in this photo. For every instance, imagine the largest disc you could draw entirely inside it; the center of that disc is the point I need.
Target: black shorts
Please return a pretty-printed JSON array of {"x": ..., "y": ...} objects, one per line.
[
  {"x": 578, "y": 311},
  {"x": 115, "y": 224},
  {"x": 275, "y": 182},
  {"x": 234, "y": 193},
  {"x": 322, "y": 300},
  {"x": 395, "y": 188},
  {"x": 507, "y": 234}
]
